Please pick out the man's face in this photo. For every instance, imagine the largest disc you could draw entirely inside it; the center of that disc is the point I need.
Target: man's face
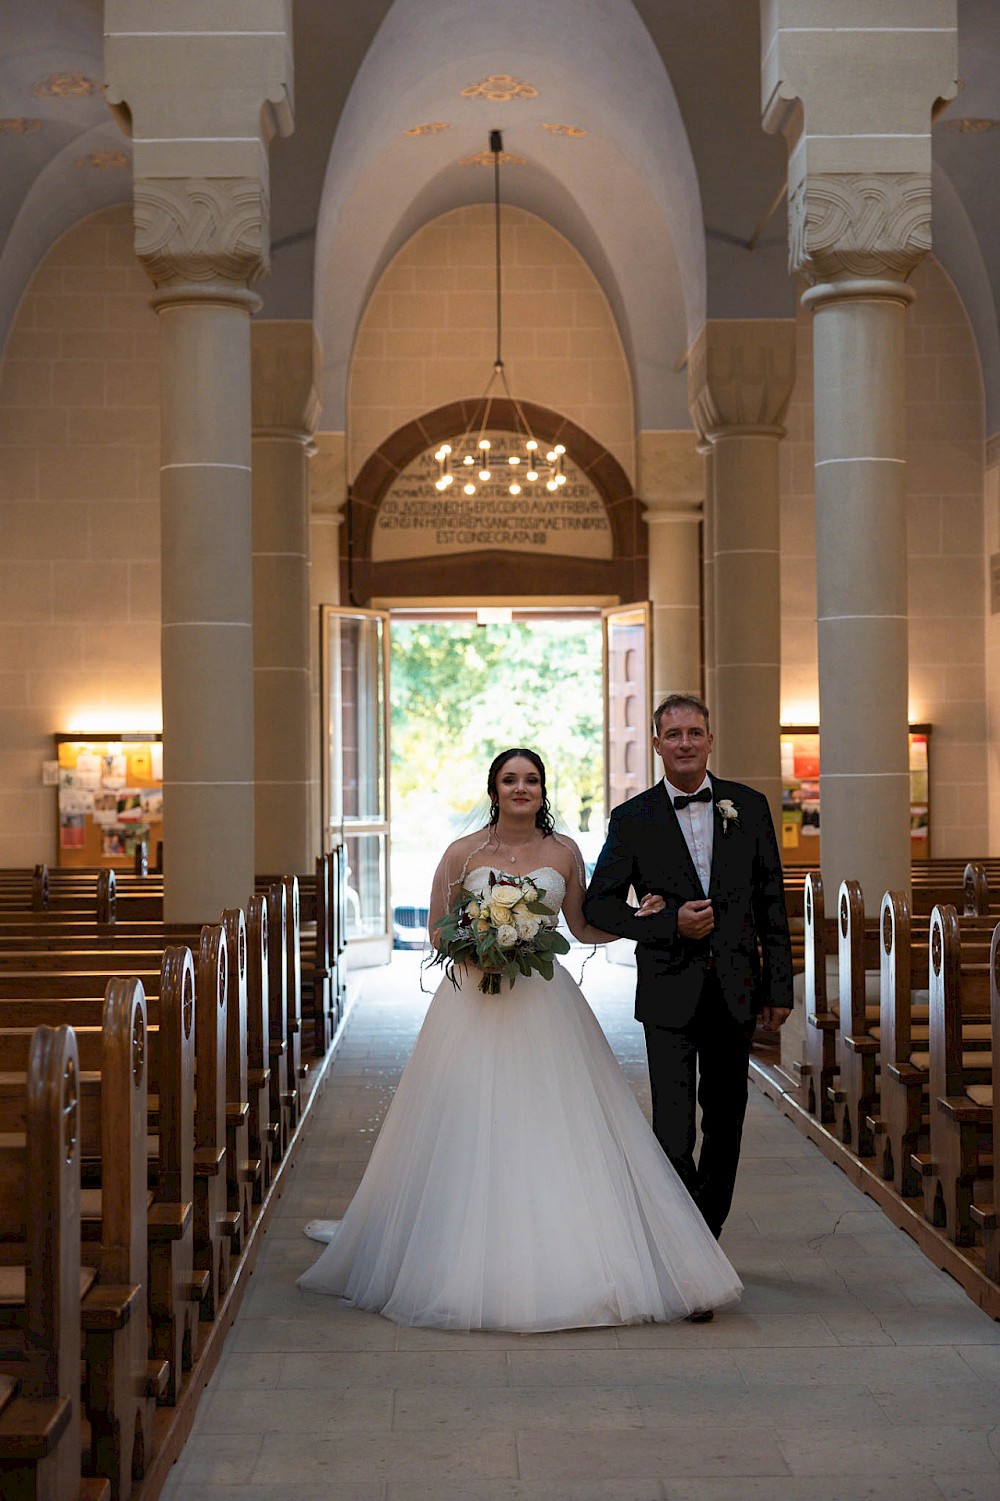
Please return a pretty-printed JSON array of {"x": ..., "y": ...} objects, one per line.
[{"x": 683, "y": 745}]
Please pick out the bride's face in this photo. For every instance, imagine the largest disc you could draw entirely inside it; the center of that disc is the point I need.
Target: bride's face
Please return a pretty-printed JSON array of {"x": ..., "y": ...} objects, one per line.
[{"x": 519, "y": 787}]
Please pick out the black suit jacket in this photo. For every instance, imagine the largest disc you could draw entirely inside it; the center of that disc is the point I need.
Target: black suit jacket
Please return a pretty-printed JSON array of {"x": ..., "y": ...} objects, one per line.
[{"x": 749, "y": 946}]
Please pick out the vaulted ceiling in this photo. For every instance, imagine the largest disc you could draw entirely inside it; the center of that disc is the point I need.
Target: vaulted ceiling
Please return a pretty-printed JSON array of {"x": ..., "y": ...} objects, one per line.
[{"x": 657, "y": 170}]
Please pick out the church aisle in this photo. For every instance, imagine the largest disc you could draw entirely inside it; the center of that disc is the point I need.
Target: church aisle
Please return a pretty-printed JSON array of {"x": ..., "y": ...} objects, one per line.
[{"x": 852, "y": 1370}]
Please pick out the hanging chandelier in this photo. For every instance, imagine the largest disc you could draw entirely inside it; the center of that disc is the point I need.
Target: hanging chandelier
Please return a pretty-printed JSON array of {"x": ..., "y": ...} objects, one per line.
[{"x": 516, "y": 460}]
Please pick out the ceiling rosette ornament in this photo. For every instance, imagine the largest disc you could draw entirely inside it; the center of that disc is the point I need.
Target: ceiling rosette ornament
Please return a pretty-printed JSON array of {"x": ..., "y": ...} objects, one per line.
[
  {"x": 845, "y": 225},
  {"x": 199, "y": 230}
]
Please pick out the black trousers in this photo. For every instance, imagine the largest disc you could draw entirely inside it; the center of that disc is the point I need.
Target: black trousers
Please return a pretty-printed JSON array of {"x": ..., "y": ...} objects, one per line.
[{"x": 703, "y": 1063}]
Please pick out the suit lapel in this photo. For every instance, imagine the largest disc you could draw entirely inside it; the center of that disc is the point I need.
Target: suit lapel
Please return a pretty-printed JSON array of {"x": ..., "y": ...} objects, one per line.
[{"x": 720, "y": 839}]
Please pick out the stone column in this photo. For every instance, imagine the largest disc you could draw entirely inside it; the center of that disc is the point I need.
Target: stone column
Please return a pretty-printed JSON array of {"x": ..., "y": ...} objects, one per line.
[
  {"x": 860, "y": 220},
  {"x": 708, "y": 575},
  {"x": 741, "y": 374},
  {"x": 327, "y": 500},
  {"x": 671, "y": 483},
  {"x": 285, "y": 402},
  {"x": 203, "y": 100}
]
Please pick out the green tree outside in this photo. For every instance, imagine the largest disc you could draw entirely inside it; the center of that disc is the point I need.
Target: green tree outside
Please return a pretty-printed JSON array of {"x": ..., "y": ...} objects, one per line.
[{"x": 460, "y": 694}]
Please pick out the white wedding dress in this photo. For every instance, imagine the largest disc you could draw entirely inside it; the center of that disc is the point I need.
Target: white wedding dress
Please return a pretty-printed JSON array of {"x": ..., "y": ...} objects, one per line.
[{"x": 515, "y": 1183}]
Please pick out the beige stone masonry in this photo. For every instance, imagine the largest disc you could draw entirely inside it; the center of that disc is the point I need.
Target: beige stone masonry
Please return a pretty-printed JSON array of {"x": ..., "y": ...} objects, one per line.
[
  {"x": 672, "y": 485},
  {"x": 200, "y": 118},
  {"x": 741, "y": 373},
  {"x": 285, "y": 403}
]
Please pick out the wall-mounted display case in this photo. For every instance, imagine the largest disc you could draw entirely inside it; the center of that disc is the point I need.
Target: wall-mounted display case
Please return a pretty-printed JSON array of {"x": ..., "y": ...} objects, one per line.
[
  {"x": 109, "y": 797},
  {"x": 800, "y": 803}
]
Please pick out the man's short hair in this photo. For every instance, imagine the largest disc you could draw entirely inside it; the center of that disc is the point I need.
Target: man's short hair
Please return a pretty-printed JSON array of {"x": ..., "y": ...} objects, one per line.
[{"x": 679, "y": 701}]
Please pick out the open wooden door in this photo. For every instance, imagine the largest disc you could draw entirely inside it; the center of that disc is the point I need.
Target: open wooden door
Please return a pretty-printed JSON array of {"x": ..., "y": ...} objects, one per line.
[
  {"x": 355, "y": 725},
  {"x": 628, "y": 676}
]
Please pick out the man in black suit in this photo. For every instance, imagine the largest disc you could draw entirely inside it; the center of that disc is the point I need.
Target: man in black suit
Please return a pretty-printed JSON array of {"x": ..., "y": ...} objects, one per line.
[{"x": 717, "y": 956}]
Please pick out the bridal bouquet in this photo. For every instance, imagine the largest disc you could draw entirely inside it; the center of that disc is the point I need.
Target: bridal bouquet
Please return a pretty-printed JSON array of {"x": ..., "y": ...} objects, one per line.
[{"x": 502, "y": 930}]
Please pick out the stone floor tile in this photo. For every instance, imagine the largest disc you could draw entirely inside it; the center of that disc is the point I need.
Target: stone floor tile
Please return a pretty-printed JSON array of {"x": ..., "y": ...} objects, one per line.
[
  {"x": 296, "y": 1411},
  {"x": 984, "y": 1361},
  {"x": 808, "y": 1488},
  {"x": 549, "y": 1407},
  {"x": 443, "y": 1340},
  {"x": 697, "y": 1449},
  {"x": 880, "y": 1365},
  {"x": 971, "y": 1400},
  {"x": 322, "y": 1334},
  {"x": 964, "y": 1487},
  {"x": 528, "y": 1490},
  {"x": 733, "y": 1329},
  {"x": 805, "y": 1407},
  {"x": 177, "y": 1490},
  {"x": 896, "y": 1450},
  {"x": 396, "y": 1368},
  {"x": 621, "y": 1367},
  {"x": 444, "y": 1456},
  {"x": 227, "y": 1459},
  {"x": 243, "y": 1373}
]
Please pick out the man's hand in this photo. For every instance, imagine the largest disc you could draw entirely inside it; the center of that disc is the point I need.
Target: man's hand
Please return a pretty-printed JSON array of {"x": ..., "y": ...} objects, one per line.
[
  {"x": 773, "y": 1017},
  {"x": 651, "y": 903},
  {"x": 695, "y": 919}
]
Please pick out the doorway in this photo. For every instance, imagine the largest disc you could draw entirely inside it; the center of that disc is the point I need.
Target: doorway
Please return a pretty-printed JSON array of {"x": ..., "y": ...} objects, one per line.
[{"x": 418, "y": 699}]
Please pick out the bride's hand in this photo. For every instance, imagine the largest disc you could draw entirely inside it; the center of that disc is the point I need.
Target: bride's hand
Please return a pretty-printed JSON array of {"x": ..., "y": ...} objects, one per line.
[{"x": 651, "y": 903}]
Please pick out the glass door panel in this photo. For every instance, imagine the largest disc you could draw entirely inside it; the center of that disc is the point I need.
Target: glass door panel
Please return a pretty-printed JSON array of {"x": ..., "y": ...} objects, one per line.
[
  {"x": 628, "y": 648},
  {"x": 355, "y": 768}
]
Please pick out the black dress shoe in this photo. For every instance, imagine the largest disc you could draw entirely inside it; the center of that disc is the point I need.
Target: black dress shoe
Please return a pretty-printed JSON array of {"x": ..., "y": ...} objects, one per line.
[{"x": 703, "y": 1316}]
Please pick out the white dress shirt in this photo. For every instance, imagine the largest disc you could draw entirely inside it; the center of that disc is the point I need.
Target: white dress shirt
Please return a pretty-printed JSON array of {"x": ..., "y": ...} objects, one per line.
[{"x": 697, "y": 823}]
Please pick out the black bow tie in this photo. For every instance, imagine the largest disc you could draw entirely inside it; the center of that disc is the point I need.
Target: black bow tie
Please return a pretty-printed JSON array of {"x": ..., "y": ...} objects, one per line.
[{"x": 704, "y": 796}]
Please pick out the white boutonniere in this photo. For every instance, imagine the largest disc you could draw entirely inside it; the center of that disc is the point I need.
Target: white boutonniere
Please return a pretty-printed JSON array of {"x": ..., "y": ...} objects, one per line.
[{"x": 728, "y": 812}]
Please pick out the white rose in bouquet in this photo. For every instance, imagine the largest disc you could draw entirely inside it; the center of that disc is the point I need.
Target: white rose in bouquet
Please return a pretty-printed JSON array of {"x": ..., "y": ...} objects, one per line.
[
  {"x": 506, "y": 935},
  {"x": 473, "y": 909},
  {"x": 503, "y": 895}
]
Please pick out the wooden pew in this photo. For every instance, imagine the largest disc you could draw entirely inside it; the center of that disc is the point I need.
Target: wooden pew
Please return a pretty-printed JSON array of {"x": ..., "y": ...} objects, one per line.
[
  {"x": 215, "y": 1224},
  {"x": 262, "y": 1130},
  {"x": 283, "y": 1099},
  {"x": 856, "y": 1094},
  {"x": 825, "y": 961},
  {"x": 121, "y": 1384},
  {"x": 987, "y": 1216},
  {"x": 175, "y": 1294},
  {"x": 242, "y": 1170},
  {"x": 40, "y": 1451},
  {"x": 853, "y": 1093},
  {"x": 899, "y": 1124},
  {"x": 959, "y": 1158}
]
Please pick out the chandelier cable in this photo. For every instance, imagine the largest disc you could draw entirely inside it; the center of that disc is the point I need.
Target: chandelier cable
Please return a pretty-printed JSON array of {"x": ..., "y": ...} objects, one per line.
[
  {"x": 528, "y": 464},
  {"x": 496, "y": 146}
]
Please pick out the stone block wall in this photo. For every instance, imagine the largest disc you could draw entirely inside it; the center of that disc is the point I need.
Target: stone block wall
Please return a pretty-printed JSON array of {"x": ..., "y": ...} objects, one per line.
[{"x": 79, "y": 517}]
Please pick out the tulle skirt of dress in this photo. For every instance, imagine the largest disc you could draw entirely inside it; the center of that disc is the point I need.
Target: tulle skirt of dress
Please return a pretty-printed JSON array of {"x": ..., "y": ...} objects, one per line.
[{"x": 515, "y": 1183}]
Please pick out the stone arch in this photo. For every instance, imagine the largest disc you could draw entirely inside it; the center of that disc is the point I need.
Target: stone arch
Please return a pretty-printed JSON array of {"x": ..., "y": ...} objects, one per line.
[{"x": 492, "y": 572}]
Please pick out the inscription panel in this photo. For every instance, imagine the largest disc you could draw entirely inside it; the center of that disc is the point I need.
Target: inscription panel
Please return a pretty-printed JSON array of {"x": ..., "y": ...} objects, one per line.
[{"x": 415, "y": 520}]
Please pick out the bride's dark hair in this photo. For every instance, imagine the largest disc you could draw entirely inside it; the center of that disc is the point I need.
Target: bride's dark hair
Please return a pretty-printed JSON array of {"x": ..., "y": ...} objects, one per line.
[{"x": 543, "y": 818}]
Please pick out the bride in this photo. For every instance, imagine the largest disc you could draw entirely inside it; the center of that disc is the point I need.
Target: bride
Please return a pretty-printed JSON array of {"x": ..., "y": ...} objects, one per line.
[{"x": 515, "y": 1183}]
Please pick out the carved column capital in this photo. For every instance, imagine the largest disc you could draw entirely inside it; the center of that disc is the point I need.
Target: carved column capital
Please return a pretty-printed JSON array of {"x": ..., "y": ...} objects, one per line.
[
  {"x": 192, "y": 231},
  {"x": 859, "y": 225},
  {"x": 741, "y": 373}
]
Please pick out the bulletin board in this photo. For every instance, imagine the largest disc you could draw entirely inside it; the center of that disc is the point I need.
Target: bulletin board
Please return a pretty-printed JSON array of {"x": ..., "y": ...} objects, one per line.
[
  {"x": 109, "y": 797},
  {"x": 800, "y": 808}
]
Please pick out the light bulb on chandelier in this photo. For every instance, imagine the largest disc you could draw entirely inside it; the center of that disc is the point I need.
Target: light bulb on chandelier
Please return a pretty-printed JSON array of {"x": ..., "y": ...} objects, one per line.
[{"x": 520, "y": 448}]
